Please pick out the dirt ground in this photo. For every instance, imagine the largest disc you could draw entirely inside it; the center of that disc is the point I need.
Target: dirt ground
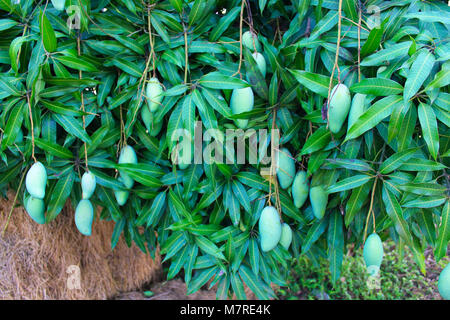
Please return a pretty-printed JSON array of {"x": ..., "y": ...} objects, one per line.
[{"x": 176, "y": 289}]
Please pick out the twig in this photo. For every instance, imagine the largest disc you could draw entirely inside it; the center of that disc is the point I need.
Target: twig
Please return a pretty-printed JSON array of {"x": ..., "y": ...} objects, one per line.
[
  {"x": 14, "y": 202},
  {"x": 32, "y": 127},
  {"x": 371, "y": 210},
  {"x": 240, "y": 40},
  {"x": 336, "y": 58},
  {"x": 359, "y": 44},
  {"x": 82, "y": 104}
]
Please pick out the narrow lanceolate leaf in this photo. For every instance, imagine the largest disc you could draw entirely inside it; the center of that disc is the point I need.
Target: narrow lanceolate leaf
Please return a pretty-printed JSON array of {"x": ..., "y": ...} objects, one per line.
[
  {"x": 72, "y": 126},
  {"x": 423, "y": 188},
  {"x": 425, "y": 202},
  {"x": 395, "y": 212},
  {"x": 354, "y": 204},
  {"x": 217, "y": 80},
  {"x": 241, "y": 194},
  {"x": 129, "y": 67},
  {"x": 351, "y": 164},
  {"x": 209, "y": 247},
  {"x": 253, "y": 282},
  {"x": 314, "y": 234},
  {"x": 201, "y": 278},
  {"x": 349, "y": 183},
  {"x": 391, "y": 53},
  {"x": 429, "y": 16},
  {"x": 377, "y": 87},
  {"x": 47, "y": 33},
  {"x": 6, "y": 24},
  {"x": 224, "y": 23},
  {"x": 319, "y": 139},
  {"x": 335, "y": 240},
  {"x": 441, "y": 79},
  {"x": 430, "y": 132},
  {"x": 373, "y": 116},
  {"x": 420, "y": 69},
  {"x": 58, "y": 107},
  {"x": 325, "y": 24},
  {"x": 315, "y": 82},
  {"x": 425, "y": 221},
  {"x": 418, "y": 164},
  {"x": 77, "y": 63},
  {"x": 372, "y": 42},
  {"x": 53, "y": 148},
  {"x": 396, "y": 160},
  {"x": 444, "y": 233},
  {"x": 13, "y": 125},
  {"x": 59, "y": 195}
]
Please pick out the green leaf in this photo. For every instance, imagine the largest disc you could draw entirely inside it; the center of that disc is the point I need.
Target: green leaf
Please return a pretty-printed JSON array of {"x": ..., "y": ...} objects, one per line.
[
  {"x": 72, "y": 126},
  {"x": 420, "y": 69},
  {"x": 430, "y": 132},
  {"x": 59, "y": 195},
  {"x": 13, "y": 125},
  {"x": 349, "y": 183},
  {"x": 335, "y": 240},
  {"x": 47, "y": 33},
  {"x": 372, "y": 42},
  {"x": 423, "y": 188},
  {"x": 373, "y": 116},
  {"x": 425, "y": 202},
  {"x": 77, "y": 63},
  {"x": 319, "y": 139},
  {"x": 317, "y": 83},
  {"x": 254, "y": 284},
  {"x": 396, "y": 160},
  {"x": 314, "y": 233},
  {"x": 395, "y": 212},
  {"x": 444, "y": 233},
  {"x": 441, "y": 79},
  {"x": 200, "y": 279},
  {"x": 129, "y": 67},
  {"x": 325, "y": 24},
  {"x": 418, "y": 164},
  {"x": 209, "y": 247},
  {"x": 53, "y": 148},
  {"x": 217, "y": 80},
  {"x": 224, "y": 23},
  {"x": 354, "y": 204},
  {"x": 60, "y": 108},
  {"x": 428, "y": 16},
  {"x": 395, "y": 51},
  {"x": 377, "y": 87},
  {"x": 6, "y": 24},
  {"x": 351, "y": 164}
]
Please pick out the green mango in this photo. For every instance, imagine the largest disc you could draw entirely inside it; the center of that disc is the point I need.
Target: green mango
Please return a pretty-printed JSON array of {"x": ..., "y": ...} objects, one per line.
[
  {"x": 373, "y": 253},
  {"x": 127, "y": 155},
  {"x": 35, "y": 208},
  {"x": 338, "y": 107},
  {"x": 285, "y": 168},
  {"x": 153, "y": 127},
  {"x": 84, "y": 215},
  {"x": 357, "y": 109},
  {"x": 319, "y": 201},
  {"x": 247, "y": 40},
  {"x": 300, "y": 189},
  {"x": 36, "y": 180},
  {"x": 260, "y": 62},
  {"x": 269, "y": 228},
  {"x": 444, "y": 283},
  {"x": 286, "y": 236},
  {"x": 88, "y": 183},
  {"x": 154, "y": 95},
  {"x": 121, "y": 196},
  {"x": 59, "y": 4},
  {"x": 241, "y": 101}
]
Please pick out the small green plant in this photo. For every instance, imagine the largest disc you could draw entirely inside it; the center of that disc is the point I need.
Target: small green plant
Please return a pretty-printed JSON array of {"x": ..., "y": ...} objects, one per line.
[{"x": 399, "y": 279}]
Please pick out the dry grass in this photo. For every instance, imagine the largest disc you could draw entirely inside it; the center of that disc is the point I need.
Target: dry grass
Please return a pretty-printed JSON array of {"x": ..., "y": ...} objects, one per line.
[{"x": 34, "y": 259}]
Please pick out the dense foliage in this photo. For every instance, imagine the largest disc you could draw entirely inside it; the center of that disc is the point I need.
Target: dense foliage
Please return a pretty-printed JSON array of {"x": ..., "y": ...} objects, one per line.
[{"x": 80, "y": 75}]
